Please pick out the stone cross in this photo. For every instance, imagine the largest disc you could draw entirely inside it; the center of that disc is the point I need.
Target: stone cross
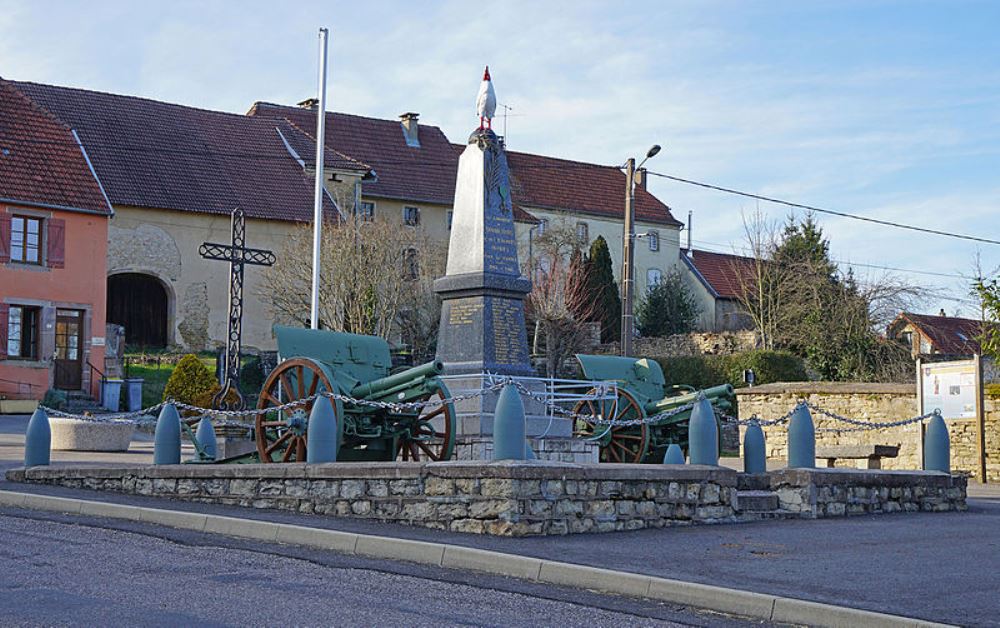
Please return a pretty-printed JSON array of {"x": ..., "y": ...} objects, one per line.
[{"x": 238, "y": 255}]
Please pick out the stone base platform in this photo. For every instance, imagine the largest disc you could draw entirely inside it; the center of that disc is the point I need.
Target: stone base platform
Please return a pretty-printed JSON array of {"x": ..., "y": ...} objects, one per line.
[
  {"x": 525, "y": 498},
  {"x": 76, "y": 435},
  {"x": 569, "y": 449}
]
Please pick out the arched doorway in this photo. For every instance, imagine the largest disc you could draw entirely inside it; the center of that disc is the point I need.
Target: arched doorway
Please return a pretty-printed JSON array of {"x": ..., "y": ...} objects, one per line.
[{"x": 139, "y": 303}]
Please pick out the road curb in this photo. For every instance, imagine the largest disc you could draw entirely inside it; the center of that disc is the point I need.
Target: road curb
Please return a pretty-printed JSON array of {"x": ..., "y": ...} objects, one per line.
[{"x": 710, "y": 597}]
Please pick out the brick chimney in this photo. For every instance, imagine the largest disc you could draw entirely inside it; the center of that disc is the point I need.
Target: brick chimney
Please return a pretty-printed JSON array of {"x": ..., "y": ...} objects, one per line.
[{"x": 411, "y": 130}]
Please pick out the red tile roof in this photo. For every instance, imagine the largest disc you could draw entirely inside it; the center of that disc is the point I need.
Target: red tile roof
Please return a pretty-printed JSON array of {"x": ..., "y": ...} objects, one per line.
[
  {"x": 539, "y": 182},
  {"x": 419, "y": 174},
  {"x": 40, "y": 161},
  {"x": 154, "y": 154},
  {"x": 948, "y": 335},
  {"x": 725, "y": 275}
]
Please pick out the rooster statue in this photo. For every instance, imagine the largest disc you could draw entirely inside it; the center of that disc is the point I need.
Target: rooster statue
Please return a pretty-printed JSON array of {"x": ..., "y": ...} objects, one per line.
[{"x": 486, "y": 101}]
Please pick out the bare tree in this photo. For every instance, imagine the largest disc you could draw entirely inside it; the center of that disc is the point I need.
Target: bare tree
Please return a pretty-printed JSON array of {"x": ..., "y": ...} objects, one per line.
[
  {"x": 560, "y": 303},
  {"x": 375, "y": 279},
  {"x": 763, "y": 286}
]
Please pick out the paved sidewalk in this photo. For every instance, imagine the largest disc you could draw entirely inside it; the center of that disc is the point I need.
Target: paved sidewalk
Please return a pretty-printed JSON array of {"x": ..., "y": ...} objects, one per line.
[{"x": 942, "y": 567}]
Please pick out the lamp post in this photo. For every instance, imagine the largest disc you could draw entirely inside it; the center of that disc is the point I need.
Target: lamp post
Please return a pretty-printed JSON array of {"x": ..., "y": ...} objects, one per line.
[{"x": 628, "y": 240}]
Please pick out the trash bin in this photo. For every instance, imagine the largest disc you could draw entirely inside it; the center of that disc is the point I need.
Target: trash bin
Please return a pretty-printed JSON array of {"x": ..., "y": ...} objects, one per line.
[
  {"x": 133, "y": 387},
  {"x": 111, "y": 394}
]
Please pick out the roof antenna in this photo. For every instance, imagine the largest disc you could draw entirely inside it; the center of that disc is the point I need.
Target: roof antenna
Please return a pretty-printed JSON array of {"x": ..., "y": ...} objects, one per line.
[{"x": 506, "y": 110}]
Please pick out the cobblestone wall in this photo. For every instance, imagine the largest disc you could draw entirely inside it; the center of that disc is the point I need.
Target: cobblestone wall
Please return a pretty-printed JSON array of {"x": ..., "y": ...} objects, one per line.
[
  {"x": 574, "y": 450},
  {"x": 506, "y": 498},
  {"x": 871, "y": 402}
]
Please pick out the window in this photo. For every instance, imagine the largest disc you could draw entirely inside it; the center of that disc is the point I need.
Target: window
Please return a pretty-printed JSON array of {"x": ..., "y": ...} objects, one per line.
[
  {"x": 411, "y": 264},
  {"x": 583, "y": 233},
  {"x": 25, "y": 240},
  {"x": 451, "y": 216},
  {"x": 366, "y": 210},
  {"x": 654, "y": 240},
  {"x": 22, "y": 332},
  {"x": 411, "y": 216},
  {"x": 653, "y": 277}
]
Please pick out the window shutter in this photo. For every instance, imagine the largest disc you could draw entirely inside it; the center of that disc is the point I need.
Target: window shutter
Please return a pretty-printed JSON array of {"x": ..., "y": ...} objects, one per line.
[
  {"x": 4, "y": 238},
  {"x": 3, "y": 328},
  {"x": 56, "y": 243}
]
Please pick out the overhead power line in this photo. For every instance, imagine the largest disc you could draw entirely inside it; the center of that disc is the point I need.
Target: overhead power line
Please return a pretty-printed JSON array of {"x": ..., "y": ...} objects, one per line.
[{"x": 778, "y": 201}]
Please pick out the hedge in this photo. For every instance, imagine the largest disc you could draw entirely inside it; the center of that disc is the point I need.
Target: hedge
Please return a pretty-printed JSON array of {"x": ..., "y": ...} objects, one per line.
[{"x": 703, "y": 371}]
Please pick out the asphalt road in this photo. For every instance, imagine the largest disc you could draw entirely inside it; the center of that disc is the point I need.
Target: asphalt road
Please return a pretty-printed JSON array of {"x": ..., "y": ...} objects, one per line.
[{"x": 61, "y": 570}]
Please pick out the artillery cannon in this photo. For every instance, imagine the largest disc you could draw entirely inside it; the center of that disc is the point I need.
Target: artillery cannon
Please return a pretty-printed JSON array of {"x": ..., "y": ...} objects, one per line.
[
  {"x": 641, "y": 392},
  {"x": 358, "y": 367}
]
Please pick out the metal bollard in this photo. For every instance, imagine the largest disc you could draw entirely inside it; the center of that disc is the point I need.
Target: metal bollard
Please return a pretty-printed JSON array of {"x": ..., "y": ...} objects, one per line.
[
  {"x": 508, "y": 426},
  {"x": 754, "y": 454},
  {"x": 801, "y": 440},
  {"x": 321, "y": 437},
  {"x": 703, "y": 434},
  {"x": 167, "y": 438},
  {"x": 206, "y": 438},
  {"x": 37, "y": 440},
  {"x": 674, "y": 455},
  {"x": 937, "y": 446}
]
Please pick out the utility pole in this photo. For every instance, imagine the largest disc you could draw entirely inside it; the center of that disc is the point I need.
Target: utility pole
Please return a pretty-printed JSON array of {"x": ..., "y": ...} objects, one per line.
[
  {"x": 628, "y": 267},
  {"x": 319, "y": 191}
]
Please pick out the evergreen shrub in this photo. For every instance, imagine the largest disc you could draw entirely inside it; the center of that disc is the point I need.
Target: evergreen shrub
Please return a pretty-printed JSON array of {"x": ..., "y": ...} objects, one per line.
[
  {"x": 704, "y": 371},
  {"x": 190, "y": 380}
]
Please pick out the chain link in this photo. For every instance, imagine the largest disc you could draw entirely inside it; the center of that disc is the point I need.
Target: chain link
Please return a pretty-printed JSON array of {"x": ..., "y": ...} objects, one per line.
[{"x": 497, "y": 383}]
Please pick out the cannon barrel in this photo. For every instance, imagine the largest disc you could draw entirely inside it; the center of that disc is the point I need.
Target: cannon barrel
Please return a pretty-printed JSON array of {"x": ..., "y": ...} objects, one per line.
[
  {"x": 411, "y": 376},
  {"x": 663, "y": 405}
]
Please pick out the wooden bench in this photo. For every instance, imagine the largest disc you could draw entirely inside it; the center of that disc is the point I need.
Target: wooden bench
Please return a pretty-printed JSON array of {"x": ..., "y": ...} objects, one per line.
[{"x": 872, "y": 453}]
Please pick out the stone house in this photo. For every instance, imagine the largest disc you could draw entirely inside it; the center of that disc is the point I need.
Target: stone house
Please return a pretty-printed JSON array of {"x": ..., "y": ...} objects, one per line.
[
  {"x": 174, "y": 173},
  {"x": 717, "y": 280},
  {"x": 941, "y": 335},
  {"x": 53, "y": 249}
]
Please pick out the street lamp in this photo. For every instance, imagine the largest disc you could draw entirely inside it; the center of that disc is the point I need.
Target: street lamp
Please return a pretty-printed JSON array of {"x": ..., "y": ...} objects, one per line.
[{"x": 628, "y": 239}]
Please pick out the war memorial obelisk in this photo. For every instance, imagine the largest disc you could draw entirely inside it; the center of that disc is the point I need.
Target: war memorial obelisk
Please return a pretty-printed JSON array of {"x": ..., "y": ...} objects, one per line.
[{"x": 482, "y": 328}]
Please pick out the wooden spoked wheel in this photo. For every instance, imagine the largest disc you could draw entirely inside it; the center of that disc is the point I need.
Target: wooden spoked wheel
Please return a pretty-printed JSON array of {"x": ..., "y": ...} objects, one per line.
[
  {"x": 619, "y": 443},
  {"x": 281, "y": 434},
  {"x": 431, "y": 435}
]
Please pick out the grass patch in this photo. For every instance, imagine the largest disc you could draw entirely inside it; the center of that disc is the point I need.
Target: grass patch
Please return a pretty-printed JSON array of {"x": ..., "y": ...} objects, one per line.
[{"x": 156, "y": 376}]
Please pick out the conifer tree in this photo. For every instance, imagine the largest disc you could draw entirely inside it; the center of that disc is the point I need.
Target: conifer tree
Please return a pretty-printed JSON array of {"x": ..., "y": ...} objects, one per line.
[{"x": 604, "y": 290}]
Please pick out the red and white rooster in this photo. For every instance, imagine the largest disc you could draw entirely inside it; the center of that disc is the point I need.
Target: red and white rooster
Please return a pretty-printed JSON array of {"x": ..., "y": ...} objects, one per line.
[{"x": 486, "y": 101}]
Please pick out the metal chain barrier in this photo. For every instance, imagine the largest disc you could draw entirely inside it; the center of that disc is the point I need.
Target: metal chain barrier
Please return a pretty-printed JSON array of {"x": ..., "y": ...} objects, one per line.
[{"x": 496, "y": 383}]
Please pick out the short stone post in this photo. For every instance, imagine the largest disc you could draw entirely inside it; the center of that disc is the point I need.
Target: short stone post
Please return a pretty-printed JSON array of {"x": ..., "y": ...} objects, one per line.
[
  {"x": 321, "y": 437},
  {"x": 674, "y": 455},
  {"x": 509, "y": 426},
  {"x": 754, "y": 452},
  {"x": 167, "y": 438},
  {"x": 206, "y": 438},
  {"x": 937, "y": 446},
  {"x": 37, "y": 440},
  {"x": 801, "y": 439},
  {"x": 703, "y": 433}
]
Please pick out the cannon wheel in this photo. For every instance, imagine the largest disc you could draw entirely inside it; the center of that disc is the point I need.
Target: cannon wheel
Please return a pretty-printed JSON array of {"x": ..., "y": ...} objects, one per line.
[
  {"x": 281, "y": 436},
  {"x": 619, "y": 443},
  {"x": 434, "y": 437}
]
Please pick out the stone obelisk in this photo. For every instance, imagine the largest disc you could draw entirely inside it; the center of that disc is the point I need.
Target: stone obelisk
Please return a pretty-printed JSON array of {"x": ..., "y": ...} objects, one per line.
[{"x": 482, "y": 330}]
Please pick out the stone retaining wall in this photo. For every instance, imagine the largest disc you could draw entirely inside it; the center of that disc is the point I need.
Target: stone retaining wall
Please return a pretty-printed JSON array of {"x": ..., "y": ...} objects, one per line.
[
  {"x": 505, "y": 498},
  {"x": 576, "y": 450},
  {"x": 871, "y": 402},
  {"x": 822, "y": 493}
]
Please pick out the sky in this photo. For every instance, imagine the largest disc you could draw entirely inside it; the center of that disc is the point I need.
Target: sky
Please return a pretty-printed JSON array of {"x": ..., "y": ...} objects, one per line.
[{"x": 884, "y": 109}]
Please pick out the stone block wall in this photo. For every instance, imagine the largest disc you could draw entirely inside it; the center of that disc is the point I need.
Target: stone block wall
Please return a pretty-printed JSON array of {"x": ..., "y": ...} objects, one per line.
[
  {"x": 822, "y": 493},
  {"x": 574, "y": 450},
  {"x": 871, "y": 402},
  {"x": 505, "y": 498}
]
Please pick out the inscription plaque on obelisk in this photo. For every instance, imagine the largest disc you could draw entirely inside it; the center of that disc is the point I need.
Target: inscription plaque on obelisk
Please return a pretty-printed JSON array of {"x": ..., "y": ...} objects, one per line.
[{"x": 482, "y": 330}]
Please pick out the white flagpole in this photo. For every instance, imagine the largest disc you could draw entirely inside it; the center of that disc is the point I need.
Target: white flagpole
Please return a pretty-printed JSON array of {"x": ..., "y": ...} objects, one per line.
[{"x": 318, "y": 207}]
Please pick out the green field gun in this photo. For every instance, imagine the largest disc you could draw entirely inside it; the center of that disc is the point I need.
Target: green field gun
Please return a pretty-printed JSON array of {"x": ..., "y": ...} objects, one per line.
[
  {"x": 641, "y": 393},
  {"x": 373, "y": 424}
]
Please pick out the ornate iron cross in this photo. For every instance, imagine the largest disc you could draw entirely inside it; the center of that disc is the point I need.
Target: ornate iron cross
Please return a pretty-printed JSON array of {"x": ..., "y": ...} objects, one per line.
[{"x": 237, "y": 254}]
